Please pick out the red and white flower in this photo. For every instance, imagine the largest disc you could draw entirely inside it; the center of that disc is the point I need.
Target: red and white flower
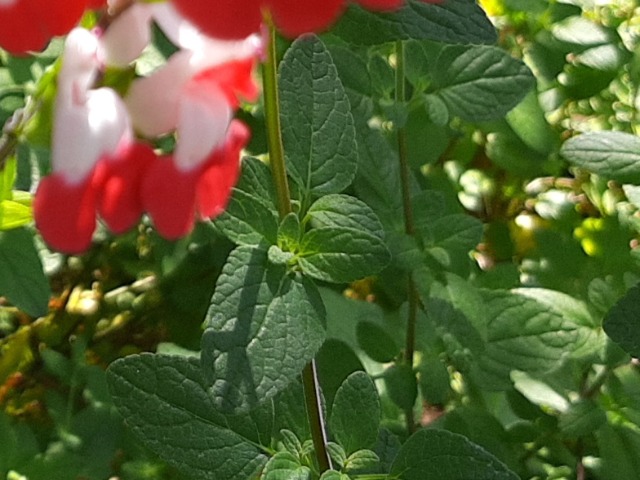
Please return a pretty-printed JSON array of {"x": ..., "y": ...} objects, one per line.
[
  {"x": 195, "y": 94},
  {"x": 91, "y": 126},
  {"x": 99, "y": 169}
]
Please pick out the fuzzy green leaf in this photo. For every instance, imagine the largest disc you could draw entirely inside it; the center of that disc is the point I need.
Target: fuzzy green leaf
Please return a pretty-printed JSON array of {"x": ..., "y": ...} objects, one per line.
[
  {"x": 344, "y": 211},
  {"x": 614, "y": 155},
  {"x": 284, "y": 466},
  {"x": 355, "y": 416},
  {"x": 480, "y": 83},
  {"x": 163, "y": 400},
  {"x": 317, "y": 127},
  {"x": 263, "y": 327},
  {"x": 442, "y": 455},
  {"x": 341, "y": 255},
  {"x": 452, "y": 21},
  {"x": 247, "y": 221},
  {"x": 533, "y": 329}
]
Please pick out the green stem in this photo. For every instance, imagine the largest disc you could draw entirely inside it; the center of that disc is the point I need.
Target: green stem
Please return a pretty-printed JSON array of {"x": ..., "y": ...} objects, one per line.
[
  {"x": 279, "y": 174},
  {"x": 409, "y": 226},
  {"x": 274, "y": 129}
]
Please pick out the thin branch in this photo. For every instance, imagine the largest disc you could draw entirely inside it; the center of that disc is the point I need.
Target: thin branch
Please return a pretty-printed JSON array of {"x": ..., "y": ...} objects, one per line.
[{"x": 409, "y": 226}]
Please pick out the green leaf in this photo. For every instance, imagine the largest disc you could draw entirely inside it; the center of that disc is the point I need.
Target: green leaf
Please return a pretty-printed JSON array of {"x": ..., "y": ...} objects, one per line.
[
  {"x": 529, "y": 122},
  {"x": 337, "y": 454},
  {"x": 614, "y": 155},
  {"x": 341, "y": 255},
  {"x": 387, "y": 448},
  {"x": 284, "y": 466},
  {"x": 335, "y": 362},
  {"x": 334, "y": 475},
  {"x": 434, "y": 381},
  {"x": 401, "y": 385},
  {"x": 355, "y": 416},
  {"x": 582, "y": 419},
  {"x": 480, "y": 83},
  {"x": 22, "y": 279},
  {"x": 247, "y": 221},
  {"x": 262, "y": 328},
  {"x": 441, "y": 455},
  {"x": 317, "y": 127},
  {"x": 289, "y": 233},
  {"x": 452, "y": 21},
  {"x": 256, "y": 180},
  {"x": 622, "y": 323},
  {"x": 290, "y": 411},
  {"x": 291, "y": 442},
  {"x": 377, "y": 181},
  {"x": 344, "y": 211},
  {"x": 450, "y": 239},
  {"x": 361, "y": 460},
  {"x": 533, "y": 329},
  {"x": 163, "y": 400},
  {"x": 376, "y": 342},
  {"x": 620, "y": 452}
]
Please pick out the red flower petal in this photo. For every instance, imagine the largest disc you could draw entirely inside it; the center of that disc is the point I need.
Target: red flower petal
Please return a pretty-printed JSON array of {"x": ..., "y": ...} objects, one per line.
[
  {"x": 221, "y": 172},
  {"x": 169, "y": 197},
  {"x": 118, "y": 183},
  {"x": 224, "y": 19},
  {"x": 295, "y": 17},
  {"x": 65, "y": 213},
  {"x": 30, "y": 24},
  {"x": 235, "y": 79}
]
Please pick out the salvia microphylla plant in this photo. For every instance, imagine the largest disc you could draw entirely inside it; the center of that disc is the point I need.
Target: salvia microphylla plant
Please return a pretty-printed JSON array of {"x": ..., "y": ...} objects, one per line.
[{"x": 141, "y": 132}]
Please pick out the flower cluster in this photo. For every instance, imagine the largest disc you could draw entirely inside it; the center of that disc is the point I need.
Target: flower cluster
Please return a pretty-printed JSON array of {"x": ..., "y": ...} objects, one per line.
[
  {"x": 99, "y": 168},
  {"x": 103, "y": 165}
]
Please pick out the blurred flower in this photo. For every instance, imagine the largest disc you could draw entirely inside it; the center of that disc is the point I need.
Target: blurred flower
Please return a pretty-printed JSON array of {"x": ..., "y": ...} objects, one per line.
[
  {"x": 30, "y": 24},
  {"x": 91, "y": 126},
  {"x": 234, "y": 19},
  {"x": 100, "y": 170},
  {"x": 195, "y": 94}
]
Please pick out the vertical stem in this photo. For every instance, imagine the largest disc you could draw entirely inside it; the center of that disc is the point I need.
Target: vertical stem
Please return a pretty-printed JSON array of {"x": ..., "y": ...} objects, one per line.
[
  {"x": 279, "y": 174},
  {"x": 405, "y": 180},
  {"x": 274, "y": 129}
]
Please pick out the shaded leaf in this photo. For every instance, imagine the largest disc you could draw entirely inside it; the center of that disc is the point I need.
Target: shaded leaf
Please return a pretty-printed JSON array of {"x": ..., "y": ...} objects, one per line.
[
  {"x": 263, "y": 326},
  {"x": 22, "y": 279},
  {"x": 356, "y": 413},
  {"x": 622, "y": 323},
  {"x": 163, "y": 400},
  {"x": 441, "y": 455}
]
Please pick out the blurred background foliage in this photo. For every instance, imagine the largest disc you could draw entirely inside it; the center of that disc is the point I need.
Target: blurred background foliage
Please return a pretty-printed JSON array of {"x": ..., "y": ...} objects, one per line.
[{"x": 546, "y": 225}]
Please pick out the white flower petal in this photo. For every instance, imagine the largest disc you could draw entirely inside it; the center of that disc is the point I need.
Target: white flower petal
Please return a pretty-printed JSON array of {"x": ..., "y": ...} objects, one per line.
[
  {"x": 204, "y": 117},
  {"x": 83, "y": 133},
  {"x": 153, "y": 100},
  {"x": 128, "y": 35}
]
